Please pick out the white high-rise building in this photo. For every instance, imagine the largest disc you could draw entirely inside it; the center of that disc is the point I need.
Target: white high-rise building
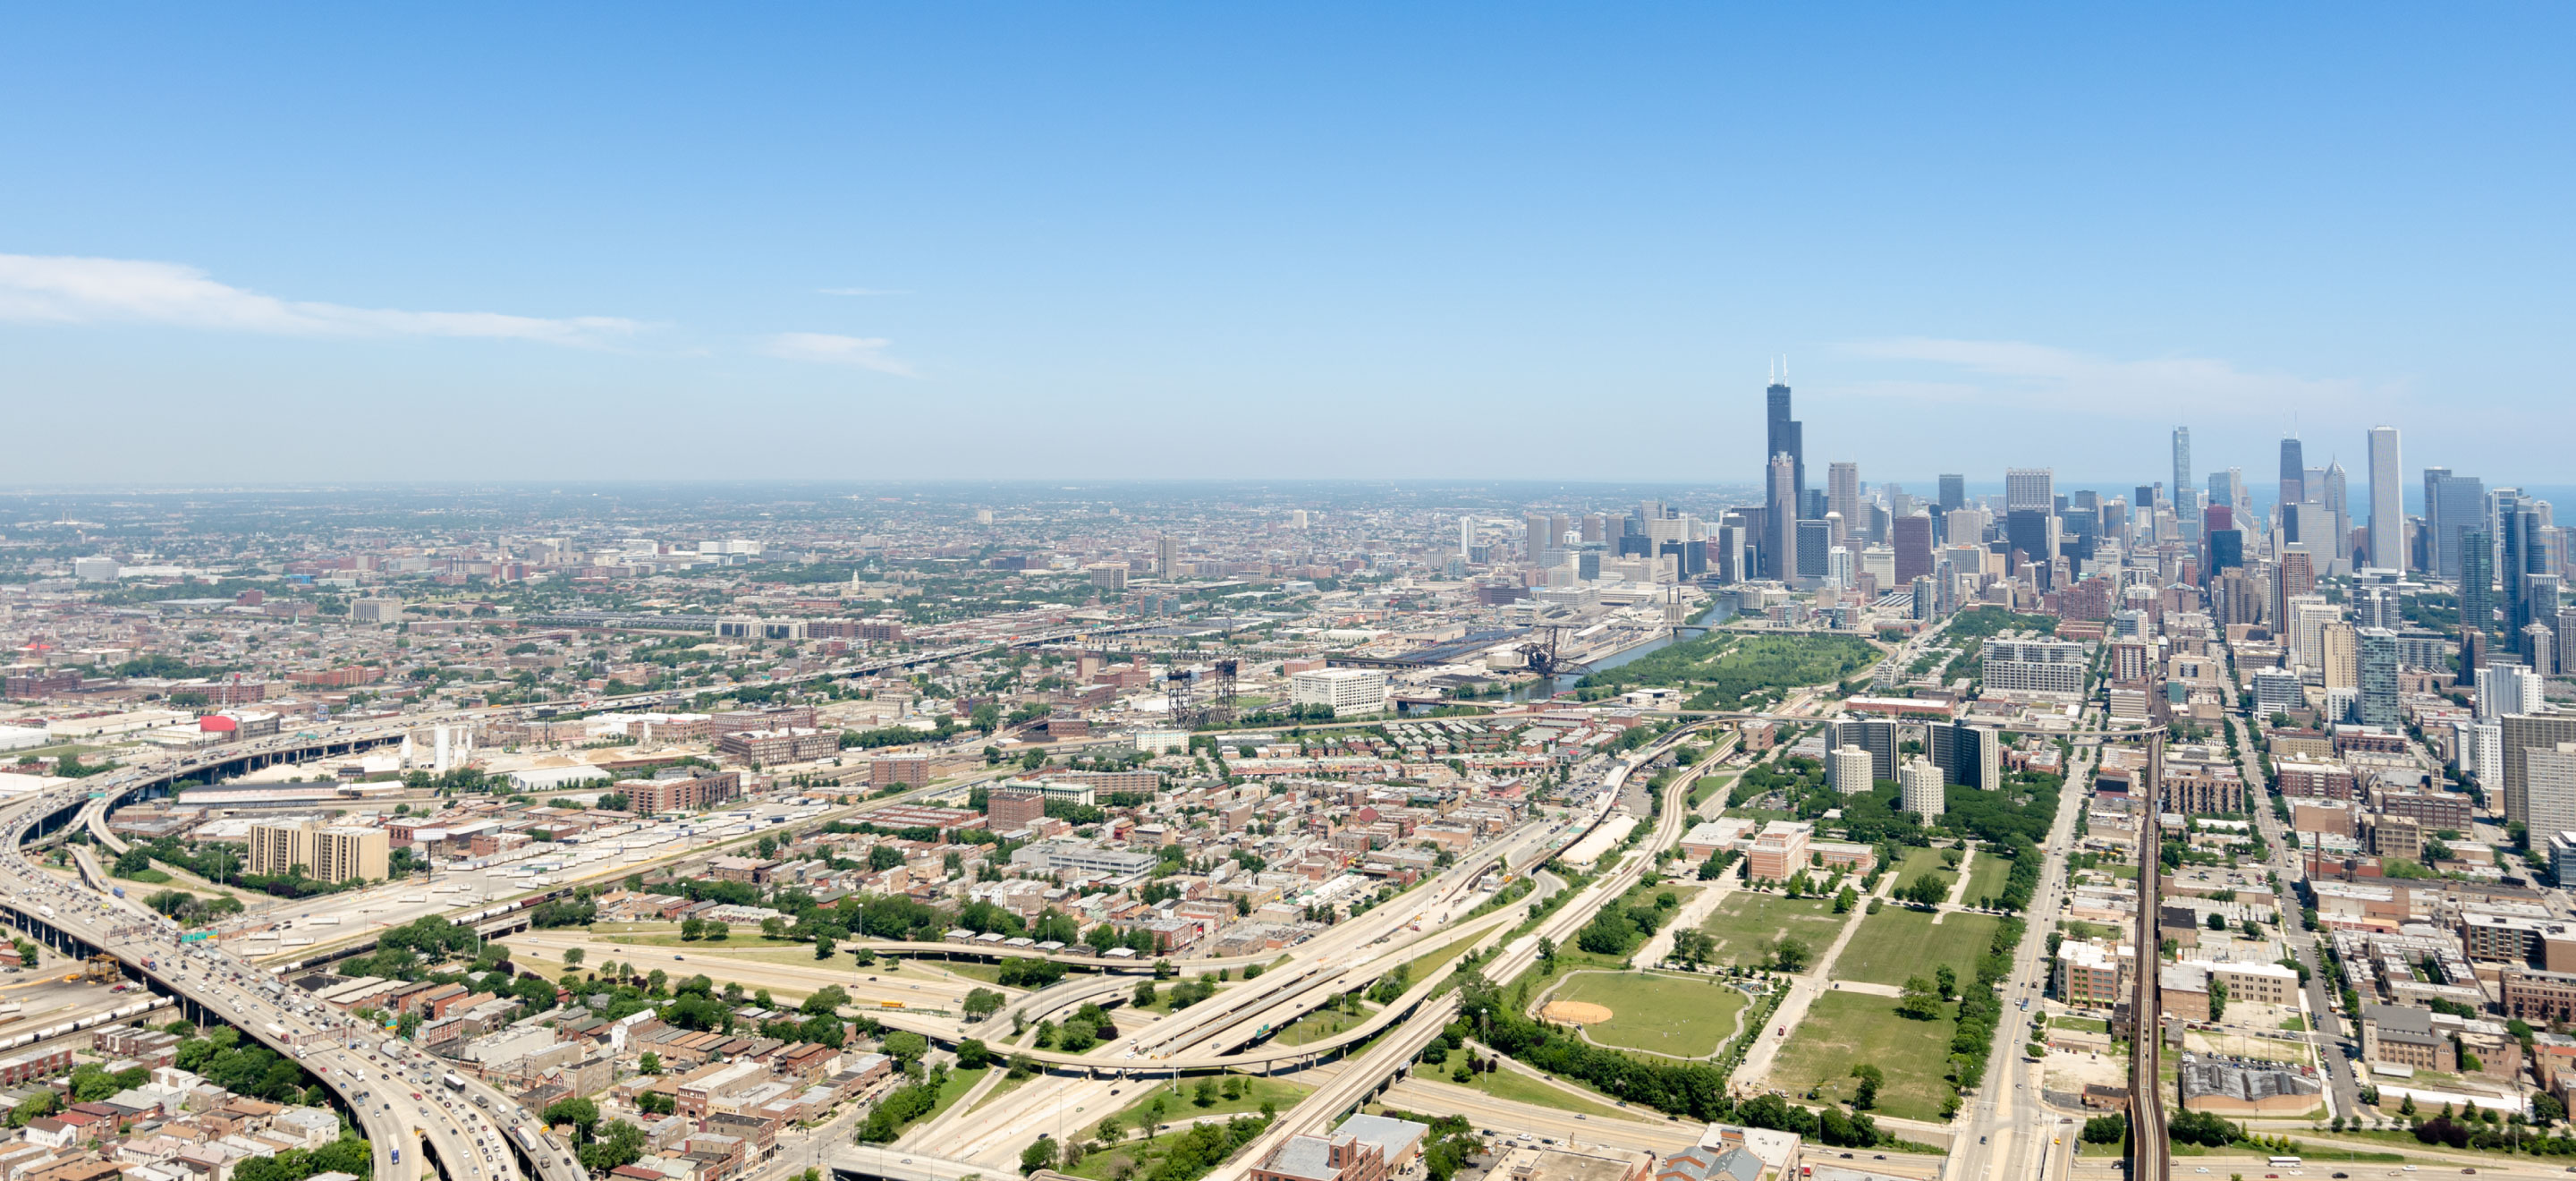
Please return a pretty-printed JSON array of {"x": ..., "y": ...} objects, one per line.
[
  {"x": 1347, "y": 690},
  {"x": 2387, "y": 501},
  {"x": 1918, "y": 786},
  {"x": 2479, "y": 750},
  {"x": 1849, "y": 772},
  {"x": 2507, "y": 689}
]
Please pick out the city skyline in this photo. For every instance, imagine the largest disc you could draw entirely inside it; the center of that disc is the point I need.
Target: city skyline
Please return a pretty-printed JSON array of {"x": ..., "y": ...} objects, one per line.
[{"x": 1082, "y": 236}]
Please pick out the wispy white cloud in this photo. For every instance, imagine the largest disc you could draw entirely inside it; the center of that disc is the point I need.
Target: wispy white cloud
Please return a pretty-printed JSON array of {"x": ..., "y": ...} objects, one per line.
[
  {"x": 70, "y": 290},
  {"x": 863, "y": 352},
  {"x": 2020, "y": 373},
  {"x": 860, "y": 291}
]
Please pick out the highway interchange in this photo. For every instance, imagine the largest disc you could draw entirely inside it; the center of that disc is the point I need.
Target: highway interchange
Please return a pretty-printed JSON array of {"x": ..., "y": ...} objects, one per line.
[{"x": 2004, "y": 1133}]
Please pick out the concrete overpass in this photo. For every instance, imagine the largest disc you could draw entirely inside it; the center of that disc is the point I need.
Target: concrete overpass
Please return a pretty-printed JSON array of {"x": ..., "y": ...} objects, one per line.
[{"x": 418, "y": 1128}]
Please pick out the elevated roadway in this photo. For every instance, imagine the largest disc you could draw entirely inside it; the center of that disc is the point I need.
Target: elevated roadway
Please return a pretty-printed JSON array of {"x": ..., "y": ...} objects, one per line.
[
  {"x": 419, "y": 1127},
  {"x": 1357, "y": 1079},
  {"x": 2150, "y": 1155}
]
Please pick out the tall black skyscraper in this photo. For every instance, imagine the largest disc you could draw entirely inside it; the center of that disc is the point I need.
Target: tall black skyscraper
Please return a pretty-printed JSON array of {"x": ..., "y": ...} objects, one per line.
[
  {"x": 2525, "y": 554},
  {"x": 2294, "y": 487},
  {"x": 2477, "y": 580},
  {"x": 1785, "y": 436},
  {"x": 2453, "y": 505}
]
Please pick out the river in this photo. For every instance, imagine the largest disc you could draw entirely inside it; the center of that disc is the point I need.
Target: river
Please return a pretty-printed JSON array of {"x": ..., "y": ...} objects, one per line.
[{"x": 1719, "y": 612}]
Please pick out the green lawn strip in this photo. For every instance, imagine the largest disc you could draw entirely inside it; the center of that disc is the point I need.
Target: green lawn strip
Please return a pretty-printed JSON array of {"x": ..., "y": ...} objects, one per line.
[
  {"x": 959, "y": 1082},
  {"x": 1845, "y": 1029},
  {"x": 1897, "y": 943},
  {"x": 152, "y": 877},
  {"x": 754, "y": 939},
  {"x": 2086, "y": 1024},
  {"x": 2079, "y": 929},
  {"x": 1424, "y": 967},
  {"x": 1508, "y": 1083},
  {"x": 988, "y": 972},
  {"x": 1184, "y": 1104},
  {"x": 1318, "y": 1025},
  {"x": 1675, "y": 1016},
  {"x": 1748, "y": 922},
  {"x": 1004, "y": 1087},
  {"x": 1711, "y": 784},
  {"x": 1163, "y": 998},
  {"x": 1986, "y": 877}
]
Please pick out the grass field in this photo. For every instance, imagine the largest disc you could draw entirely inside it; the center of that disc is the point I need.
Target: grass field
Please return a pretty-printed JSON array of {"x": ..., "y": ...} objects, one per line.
[
  {"x": 1318, "y": 1025},
  {"x": 1896, "y": 943},
  {"x": 1671, "y": 1015},
  {"x": 959, "y": 1082},
  {"x": 1136, "y": 1154},
  {"x": 1844, "y": 1029},
  {"x": 1748, "y": 923},
  {"x": 1918, "y": 862},
  {"x": 1986, "y": 877},
  {"x": 1507, "y": 1083},
  {"x": 1184, "y": 1104}
]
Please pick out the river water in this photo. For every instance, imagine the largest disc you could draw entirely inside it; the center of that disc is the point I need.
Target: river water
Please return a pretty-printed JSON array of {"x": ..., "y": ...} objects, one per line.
[{"x": 1720, "y": 612}]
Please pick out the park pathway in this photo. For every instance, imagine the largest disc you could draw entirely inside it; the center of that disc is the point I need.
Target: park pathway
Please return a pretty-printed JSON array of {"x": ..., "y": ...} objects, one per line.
[{"x": 1754, "y": 1075}]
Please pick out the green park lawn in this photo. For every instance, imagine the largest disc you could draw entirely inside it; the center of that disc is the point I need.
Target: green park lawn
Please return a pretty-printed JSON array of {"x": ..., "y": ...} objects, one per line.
[
  {"x": 1986, "y": 877},
  {"x": 1919, "y": 861},
  {"x": 1844, "y": 1029},
  {"x": 1897, "y": 943},
  {"x": 1747, "y": 923},
  {"x": 1681, "y": 1017}
]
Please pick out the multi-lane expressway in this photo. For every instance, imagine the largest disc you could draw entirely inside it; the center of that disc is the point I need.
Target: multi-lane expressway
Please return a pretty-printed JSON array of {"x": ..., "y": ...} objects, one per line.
[{"x": 420, "y": 1123}]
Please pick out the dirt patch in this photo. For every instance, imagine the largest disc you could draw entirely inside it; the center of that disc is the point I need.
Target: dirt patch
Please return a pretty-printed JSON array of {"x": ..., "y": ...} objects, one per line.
[{"x": 1576, "y": 1012}]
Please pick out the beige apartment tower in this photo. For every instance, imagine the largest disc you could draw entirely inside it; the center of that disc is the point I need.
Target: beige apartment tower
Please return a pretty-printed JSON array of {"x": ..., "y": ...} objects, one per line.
[{"x": 335, "y": 854}]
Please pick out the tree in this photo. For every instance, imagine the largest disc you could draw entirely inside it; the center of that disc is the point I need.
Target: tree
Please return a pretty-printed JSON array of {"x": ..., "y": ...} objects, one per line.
[
  {"x": 973, "y": 1054},
  {"x": 40, "y": 1104},
  {"x": 822, "y": 947},
  {"x": 1844, "y": 899},
  {"x": 693, "y": 928},
  {"x": 1144, "y": 993},
  {"x": 2217, "y": 922},
  {"x": 905, "y": 1047},
  {"x": 1791, "y": 955},
  {"x": 650, "y": 1063},
  {"x": 1947, "y": 980},
  {"x": 2217, "y": 998},
  {"x": 1041, "y": 1154},
  {"x": 1919, "y": 1000},
  {"x": 1204, "y": 1095},
  {"x": 582, "y": 1114},
  {"x": 1866, "y": 1096},
  {"x": 573, "y": 957},
  {"x": 982, "y": 1002}
]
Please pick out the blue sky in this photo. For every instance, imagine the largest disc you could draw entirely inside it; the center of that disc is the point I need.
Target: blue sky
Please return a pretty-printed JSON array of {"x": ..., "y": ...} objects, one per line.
[{"x": 1315, "y": 240}]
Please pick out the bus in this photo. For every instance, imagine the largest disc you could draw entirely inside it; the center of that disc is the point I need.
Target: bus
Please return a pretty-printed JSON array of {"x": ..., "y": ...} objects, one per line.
[{"x": 2285, "y": 1162}]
